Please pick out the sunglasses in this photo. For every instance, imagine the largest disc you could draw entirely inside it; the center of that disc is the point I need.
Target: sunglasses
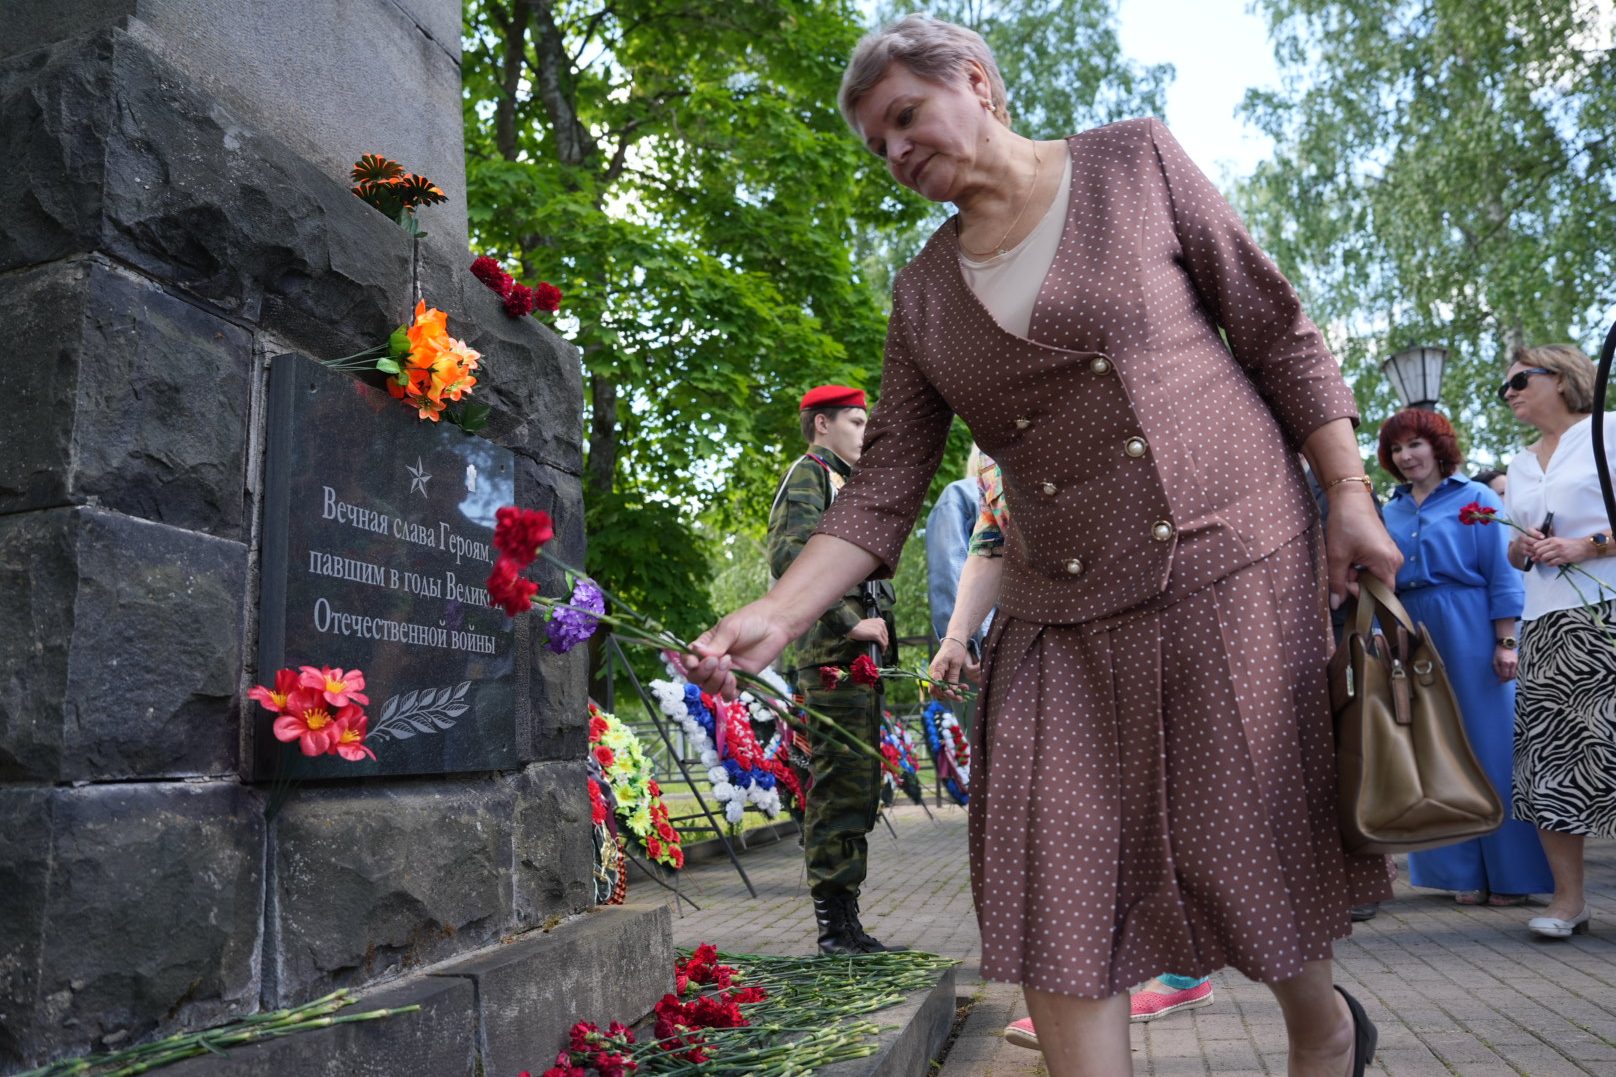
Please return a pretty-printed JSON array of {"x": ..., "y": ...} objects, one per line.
[{"x": 1518, "y": 382}]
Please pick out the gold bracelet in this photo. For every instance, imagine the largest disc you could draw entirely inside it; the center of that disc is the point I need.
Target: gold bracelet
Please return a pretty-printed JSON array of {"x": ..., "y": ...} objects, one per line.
[
  {"x": 1333, "y": 483},
  {"x": 956, "y": 639}
]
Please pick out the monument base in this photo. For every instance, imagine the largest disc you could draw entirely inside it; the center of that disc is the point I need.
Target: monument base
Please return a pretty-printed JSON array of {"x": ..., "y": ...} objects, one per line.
[{"x": 500, "y": 1010}]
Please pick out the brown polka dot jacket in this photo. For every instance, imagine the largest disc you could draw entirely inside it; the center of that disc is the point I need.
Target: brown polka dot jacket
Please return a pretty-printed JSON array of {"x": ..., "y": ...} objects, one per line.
[{"x": 1143, "y": 457}]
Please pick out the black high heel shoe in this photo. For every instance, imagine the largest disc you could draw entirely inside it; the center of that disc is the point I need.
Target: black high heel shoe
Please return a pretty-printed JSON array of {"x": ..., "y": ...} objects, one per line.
[{"x": 1364, "y": 1034}]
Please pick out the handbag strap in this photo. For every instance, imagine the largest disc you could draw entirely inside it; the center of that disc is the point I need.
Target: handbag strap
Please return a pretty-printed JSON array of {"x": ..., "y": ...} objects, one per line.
[{"x": 1373, "y": 595}]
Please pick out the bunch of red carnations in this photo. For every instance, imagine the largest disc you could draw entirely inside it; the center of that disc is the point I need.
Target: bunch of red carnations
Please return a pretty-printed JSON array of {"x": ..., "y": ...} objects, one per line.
[
  {"x": 519, "y": 299},
  {"x": 679, "y": 1023},
  {"x": 518, "y": 535},
  {"x": 593, "y": 1053}
]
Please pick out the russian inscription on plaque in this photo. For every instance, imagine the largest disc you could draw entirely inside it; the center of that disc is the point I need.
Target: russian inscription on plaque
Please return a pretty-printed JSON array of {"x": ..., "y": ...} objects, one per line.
[{"x": 378, "y": 539}]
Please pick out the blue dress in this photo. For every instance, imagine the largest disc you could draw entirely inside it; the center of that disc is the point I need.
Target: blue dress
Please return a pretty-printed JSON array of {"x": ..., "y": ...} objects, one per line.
[{"x": 1457, "y": 579}]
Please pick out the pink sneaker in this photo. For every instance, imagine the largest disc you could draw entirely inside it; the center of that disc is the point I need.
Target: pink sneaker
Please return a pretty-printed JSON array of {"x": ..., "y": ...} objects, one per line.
[
  {"x": 1149, "y": 1005},
  {"x": 1021, "y": 1033},
  {"x": 1143, "y": 1006}
]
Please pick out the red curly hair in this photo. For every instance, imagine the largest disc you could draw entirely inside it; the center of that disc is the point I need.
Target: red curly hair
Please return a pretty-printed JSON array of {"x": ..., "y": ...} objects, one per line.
[{"x": 1430, "y": 426}]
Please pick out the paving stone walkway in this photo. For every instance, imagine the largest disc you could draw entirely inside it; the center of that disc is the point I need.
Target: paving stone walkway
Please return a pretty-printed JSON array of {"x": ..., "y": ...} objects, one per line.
[{"x": 1455, "y": 991}]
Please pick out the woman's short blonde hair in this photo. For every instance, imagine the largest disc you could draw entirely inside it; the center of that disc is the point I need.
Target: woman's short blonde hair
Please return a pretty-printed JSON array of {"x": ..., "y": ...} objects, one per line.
[
  {"x": 934, "y": 50},
  {"x": 1576, "y": 371}
]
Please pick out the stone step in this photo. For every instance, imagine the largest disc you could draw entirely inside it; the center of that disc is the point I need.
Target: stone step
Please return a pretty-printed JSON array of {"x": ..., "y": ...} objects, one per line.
[{"x": 912, "y": 1034}]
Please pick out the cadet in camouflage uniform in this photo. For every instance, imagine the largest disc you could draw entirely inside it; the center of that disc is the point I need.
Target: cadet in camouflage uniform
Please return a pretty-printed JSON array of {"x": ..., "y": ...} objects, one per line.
[{"x": 844, "y": 795}]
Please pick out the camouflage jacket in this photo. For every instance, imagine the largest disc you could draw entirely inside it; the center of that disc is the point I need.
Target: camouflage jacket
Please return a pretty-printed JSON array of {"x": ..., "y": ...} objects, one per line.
[{"x": 804, "y": 494}]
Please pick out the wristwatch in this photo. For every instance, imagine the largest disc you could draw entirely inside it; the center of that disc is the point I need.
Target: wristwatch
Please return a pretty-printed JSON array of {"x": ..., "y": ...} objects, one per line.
[
  {"x": 1601, "y": 543},
  {"x": 1509, "y": 643}
]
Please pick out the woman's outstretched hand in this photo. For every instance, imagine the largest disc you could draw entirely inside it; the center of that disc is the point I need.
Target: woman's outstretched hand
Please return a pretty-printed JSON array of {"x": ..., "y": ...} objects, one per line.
[
  {"x": 747, "y": 640},
  {"x": 950, "y": 666}
]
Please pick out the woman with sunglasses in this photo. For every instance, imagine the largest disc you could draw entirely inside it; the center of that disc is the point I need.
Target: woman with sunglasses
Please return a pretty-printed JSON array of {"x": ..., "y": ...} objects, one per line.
[{"x": 1565, "y": 728}]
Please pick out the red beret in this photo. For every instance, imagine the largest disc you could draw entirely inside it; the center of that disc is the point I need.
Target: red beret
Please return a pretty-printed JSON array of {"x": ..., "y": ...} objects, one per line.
[{"x": 833, "y": 396}]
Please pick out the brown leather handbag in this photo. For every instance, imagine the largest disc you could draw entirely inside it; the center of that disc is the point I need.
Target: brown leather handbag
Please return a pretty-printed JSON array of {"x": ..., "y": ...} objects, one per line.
[{"x": 1407, "y": 776}]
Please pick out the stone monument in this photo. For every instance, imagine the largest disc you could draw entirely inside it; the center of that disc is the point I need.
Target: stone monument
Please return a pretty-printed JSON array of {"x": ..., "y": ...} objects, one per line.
[{"x": 177, "y": 235}]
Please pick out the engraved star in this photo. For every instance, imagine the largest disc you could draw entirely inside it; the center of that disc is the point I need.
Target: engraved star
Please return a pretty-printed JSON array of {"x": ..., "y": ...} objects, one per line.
[{"x": 418, "y": 476}]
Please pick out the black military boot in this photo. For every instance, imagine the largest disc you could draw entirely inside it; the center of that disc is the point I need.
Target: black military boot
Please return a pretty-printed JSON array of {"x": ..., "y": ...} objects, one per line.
[
  {"x": 835, "y": 933},
  {"x": 869, "y": 942}
]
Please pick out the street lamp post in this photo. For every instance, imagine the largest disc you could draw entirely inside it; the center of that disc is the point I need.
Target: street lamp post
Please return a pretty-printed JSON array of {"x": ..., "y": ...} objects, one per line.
[{"x": 1416, "y": 374}]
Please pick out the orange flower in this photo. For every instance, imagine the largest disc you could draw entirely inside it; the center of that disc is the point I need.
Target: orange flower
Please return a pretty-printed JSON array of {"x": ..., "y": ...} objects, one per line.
[
  {"x": 451, "y": 370},
  {"x": 374, "y": 168},
  {"x": 428, "y": 333},
  {"x": 425, "y": 407}
]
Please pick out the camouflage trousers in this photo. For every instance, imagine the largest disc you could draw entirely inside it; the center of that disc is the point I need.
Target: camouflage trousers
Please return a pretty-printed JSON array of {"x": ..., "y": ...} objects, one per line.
[{"x": 846, "y": 791}]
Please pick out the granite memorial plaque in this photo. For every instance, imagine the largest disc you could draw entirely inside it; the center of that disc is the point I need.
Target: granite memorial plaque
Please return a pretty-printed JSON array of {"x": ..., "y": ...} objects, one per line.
[{"x": 377, "y": 544}]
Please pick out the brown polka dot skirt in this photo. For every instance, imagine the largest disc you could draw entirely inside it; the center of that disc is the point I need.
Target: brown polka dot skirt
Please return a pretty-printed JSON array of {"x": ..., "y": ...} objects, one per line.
[{"x": 1155, "y": 791}]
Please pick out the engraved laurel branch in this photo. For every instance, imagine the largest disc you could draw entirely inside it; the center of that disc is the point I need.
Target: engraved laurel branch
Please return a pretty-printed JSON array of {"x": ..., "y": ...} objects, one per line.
[{"x": 426, "y": 710}]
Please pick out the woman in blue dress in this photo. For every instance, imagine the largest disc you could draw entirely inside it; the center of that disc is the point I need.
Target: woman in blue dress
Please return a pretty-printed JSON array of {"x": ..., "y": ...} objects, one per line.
[{"x": 1459, "y": 582}]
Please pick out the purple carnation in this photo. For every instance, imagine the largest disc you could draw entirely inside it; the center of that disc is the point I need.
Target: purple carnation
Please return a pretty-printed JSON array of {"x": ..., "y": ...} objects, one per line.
[{"x": 570, "y": 627}]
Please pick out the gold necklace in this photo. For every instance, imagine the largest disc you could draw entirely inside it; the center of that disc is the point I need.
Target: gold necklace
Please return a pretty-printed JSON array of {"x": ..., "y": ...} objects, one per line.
[{"x": 999, "y": 248}]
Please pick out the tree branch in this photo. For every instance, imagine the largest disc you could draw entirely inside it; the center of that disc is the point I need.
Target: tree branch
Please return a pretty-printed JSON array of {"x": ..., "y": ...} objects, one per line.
[
  {"x": 573, "y": 144},
  {"x": 515, "y": 36}
]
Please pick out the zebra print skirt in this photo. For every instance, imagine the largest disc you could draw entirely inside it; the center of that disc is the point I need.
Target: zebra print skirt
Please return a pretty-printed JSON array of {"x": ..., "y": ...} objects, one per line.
[{"x": 1565, "y": 723}]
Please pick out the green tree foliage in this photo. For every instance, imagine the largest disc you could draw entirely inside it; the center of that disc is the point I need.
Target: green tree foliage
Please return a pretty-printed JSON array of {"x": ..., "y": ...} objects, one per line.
[
  {"x": 1444, "y": 173},
  {"x": 681, "y": 171}
]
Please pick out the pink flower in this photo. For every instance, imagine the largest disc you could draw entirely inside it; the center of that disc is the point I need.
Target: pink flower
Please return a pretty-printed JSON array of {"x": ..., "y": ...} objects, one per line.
[
  {"x": 338, "y": 686},
  {"x": 348, "y": 738},
  {"x": 275, "y": 701},
  {"x": 308, "y": 720}
]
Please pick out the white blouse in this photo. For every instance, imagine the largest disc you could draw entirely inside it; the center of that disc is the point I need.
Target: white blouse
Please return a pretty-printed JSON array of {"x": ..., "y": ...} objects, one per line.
[
  {"x": 1570, "y": 489},
  {"x": 1008, "y": 284}
]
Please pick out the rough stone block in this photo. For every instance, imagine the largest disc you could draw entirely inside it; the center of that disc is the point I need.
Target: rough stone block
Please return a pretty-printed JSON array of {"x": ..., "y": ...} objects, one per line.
[
  {"x": 147, "y": 907},
  {"x": 141, "y": 400},
  {"x": 122, "y": 648},
  {"x": 554, "y": 843},
  {"x": 32, "y": 23},
  {"x": 370, "y": 882},
  {"x": 116, "y": 150},
  {"x": 389, "y": 72},
  {"x": 438, "y": 1040},
  {"x": 610, "y": 965}
]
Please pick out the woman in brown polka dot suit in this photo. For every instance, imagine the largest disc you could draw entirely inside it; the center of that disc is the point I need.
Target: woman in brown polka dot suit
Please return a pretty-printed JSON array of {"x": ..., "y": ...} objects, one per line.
[{"x": 1155, "y": 786}]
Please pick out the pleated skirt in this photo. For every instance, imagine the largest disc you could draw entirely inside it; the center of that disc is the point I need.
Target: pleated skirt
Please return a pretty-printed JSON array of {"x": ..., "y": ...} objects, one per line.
[{"x": 1155, "y": 791}]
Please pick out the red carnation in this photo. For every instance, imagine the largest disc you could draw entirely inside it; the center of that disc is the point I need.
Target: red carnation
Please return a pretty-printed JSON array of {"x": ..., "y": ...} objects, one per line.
[
  {"x": 547, "y": 297},
  {"x": 518, "y": 533},
  {"x": 508, "y": 590},
  {"x": 604, "y": 755},
  {"x": 491, "y": 273},
  {"x": 1477, "y": 513},
  {"x": 519, "y": 301},
  {"x": 831, "y": 676},
  {"x": 865, "y": 671}
]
